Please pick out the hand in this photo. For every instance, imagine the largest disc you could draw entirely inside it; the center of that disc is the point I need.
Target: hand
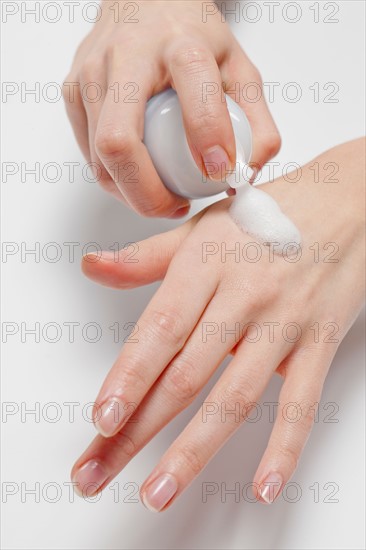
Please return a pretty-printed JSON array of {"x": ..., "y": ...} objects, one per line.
[
  {"x": 183, "y": 334},
  {"x": 161, "y": 44}
]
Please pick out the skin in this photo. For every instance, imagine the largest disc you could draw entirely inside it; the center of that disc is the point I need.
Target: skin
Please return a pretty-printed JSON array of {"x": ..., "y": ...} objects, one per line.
[
  {"x": 169, "y": 45},
  {"x": 171, "y": 362}
]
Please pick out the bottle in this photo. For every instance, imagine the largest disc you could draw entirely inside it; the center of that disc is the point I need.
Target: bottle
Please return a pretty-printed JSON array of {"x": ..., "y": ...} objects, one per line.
[{"x": 165, "y": 139}]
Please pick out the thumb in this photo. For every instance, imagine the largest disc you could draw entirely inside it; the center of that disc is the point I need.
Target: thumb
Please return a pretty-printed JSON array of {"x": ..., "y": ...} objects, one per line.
[{"x": 139, "y": 263}]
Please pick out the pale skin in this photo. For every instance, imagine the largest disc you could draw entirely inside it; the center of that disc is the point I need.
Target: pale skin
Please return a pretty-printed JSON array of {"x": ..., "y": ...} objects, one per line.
[
  {"x": 163, "y": 372},
  {"x": 131, "y": 57}
]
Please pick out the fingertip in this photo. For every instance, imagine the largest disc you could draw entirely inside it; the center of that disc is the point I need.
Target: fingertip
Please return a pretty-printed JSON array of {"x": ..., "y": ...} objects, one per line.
[
  {"x": 105, "y": 270},
  {"x": 88, "y": 263},
  {"x": 180, "y": 212}
]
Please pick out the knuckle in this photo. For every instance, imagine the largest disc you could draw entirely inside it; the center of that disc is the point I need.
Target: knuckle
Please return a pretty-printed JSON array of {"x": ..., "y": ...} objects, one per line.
[
  {"x": 114, "y": 142},
  {"x": 317, "y": 354},
  {"x": 203, "y": 119},
  {"x": 238, "y": 395},
  {"x": 254, "y": 300},
  {"x": 180, "y": 380},
  {"x": 167, "y": 327},
  {"x": 289, "y": 454},
  {"x": 190, "y": 58},
  {"x": 125, "y": 444},
  {"x": 263, "y": 295},
  {"x": 101, "y": 175},
  {"x": 256, "y": 76},
  {"x": 87, "y": 71},
  {"x": 114, "y": 49},
  {"x": 66, "y": 90},
  {"x": 119, "y": 44},
  {"x": 272, "y": 144},
  {"x": 71, "y": 93},
  {"x": 308, "y": 414},
  {"x": 133, "y": 375},
  {"x": 269, "y": 293},
  {"x": 191, "y": 457}
]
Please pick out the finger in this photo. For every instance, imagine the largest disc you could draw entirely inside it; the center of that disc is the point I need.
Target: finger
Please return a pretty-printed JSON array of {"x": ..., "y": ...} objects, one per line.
[
  {"x": 214, "y": 336},
  {"x": 139, "y": 263},
  {"x": 119, "y": 143},
  {"x": 296, "y": 413},
  {"x": 93, "y": 86},
  {"x": 159, "y": 335},
  {"x": 243, "y": 83},
  {"x": 197, "y": 80},
  {"x": 76, "y": 113},
  {"x": 230, "y": 401}
]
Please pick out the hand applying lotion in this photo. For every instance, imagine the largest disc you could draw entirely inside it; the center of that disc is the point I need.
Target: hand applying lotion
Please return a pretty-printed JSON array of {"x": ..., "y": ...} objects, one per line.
[{"x": 253, "y": 210}]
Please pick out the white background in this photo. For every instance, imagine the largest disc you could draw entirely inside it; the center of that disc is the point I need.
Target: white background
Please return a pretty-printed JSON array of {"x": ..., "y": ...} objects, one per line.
[{"x": 61, "y": 372}]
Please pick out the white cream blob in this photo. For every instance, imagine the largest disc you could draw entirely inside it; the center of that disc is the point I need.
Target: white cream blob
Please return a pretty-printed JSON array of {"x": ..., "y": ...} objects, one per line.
[{"x": 259, "y": 215}]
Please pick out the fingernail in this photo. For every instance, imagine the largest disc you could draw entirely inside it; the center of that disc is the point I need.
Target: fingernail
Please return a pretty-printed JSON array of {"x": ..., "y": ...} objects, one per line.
[
  {"x": 103, "y": 255},
  {"x": 92, "y": 257},
  {"x": 182, "y": 211},
  {"x": 109, "y": 417},
  {"x": 270, "y": 487},
  {"x": 216, "y": 162},
  {"x": 109, "y": 256},
  {"x": 253, "y": 170},
  {"x": 247, "y": 172},
  {"x": 160, "y": 492},
  {"x": 89, "y": 478}
]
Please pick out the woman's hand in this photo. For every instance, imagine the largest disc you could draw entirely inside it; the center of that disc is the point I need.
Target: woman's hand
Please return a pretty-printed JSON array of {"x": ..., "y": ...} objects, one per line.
[
  {"x": 138, "y": 49},
  {"x": 275, "y": 314}
]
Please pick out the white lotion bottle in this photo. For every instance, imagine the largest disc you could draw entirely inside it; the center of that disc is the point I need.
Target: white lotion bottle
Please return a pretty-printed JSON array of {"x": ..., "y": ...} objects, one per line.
[{"x": 166, "y": 141}]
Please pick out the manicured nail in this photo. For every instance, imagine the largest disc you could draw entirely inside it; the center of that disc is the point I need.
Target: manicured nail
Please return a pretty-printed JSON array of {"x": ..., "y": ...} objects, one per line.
[
  {"x": 216, "y": 162},
  {"x": 158, "y": 494},
  {"x": 270, "y": 487},
  {"x": 110, "y": 416},
  {"x": 89, "y": 478},
  {"x": 182, "y": 211}
]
